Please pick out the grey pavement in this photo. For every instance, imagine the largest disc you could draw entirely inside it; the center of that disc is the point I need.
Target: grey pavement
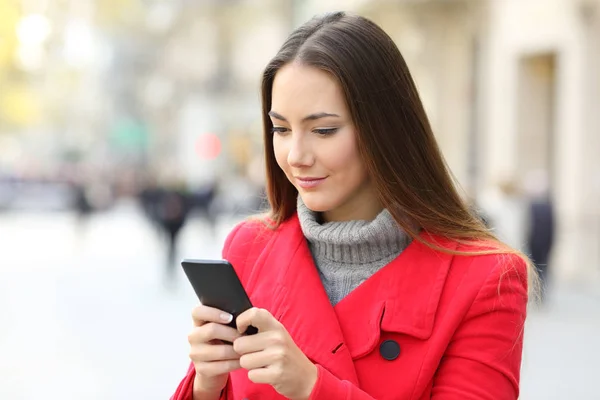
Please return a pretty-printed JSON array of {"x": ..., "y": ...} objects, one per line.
[{"x": 85, "y": 313}]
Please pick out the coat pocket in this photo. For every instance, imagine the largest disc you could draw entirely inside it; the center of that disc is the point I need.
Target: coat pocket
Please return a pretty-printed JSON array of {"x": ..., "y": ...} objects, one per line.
[{"x": 388, "y": 362}]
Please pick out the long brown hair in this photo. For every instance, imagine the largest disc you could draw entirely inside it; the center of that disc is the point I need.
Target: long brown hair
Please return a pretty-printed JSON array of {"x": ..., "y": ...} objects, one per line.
[{"x": 394, "y": 135}]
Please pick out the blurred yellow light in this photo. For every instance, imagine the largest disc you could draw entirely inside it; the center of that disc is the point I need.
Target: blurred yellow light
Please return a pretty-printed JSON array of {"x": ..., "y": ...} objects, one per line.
[
  {"x": 9, "y": 17},
  {"x": 19, "y": 106}
]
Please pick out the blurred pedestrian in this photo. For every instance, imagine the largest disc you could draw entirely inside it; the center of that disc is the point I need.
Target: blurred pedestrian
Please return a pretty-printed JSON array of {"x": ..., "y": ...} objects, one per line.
[
  {"x": 171, "y": 212},
  {"x": 81, "y": 202},
  {"x": 542, "y": 225},
  {"x": 149, "y": 198},
  {"x": 202, "y": 201},
  {"x": 372, "y": 276}
]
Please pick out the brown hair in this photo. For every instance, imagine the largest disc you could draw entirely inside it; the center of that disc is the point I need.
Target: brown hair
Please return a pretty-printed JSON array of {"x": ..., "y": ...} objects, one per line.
[{"x": 394, "y": 136}]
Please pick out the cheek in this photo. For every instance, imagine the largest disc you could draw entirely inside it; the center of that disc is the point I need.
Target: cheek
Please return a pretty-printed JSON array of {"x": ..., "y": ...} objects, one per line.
[
  {"x": 342, "y": 156},
  {"x": 281, "y": 153}
]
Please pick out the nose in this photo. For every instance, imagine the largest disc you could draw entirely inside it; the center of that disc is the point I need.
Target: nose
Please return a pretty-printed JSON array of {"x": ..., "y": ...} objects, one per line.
[{"x": 300, "y": 154}]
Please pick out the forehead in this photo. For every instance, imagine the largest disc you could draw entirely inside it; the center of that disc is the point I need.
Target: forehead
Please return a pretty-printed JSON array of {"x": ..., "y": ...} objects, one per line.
[{"x": 301, "y": 90}]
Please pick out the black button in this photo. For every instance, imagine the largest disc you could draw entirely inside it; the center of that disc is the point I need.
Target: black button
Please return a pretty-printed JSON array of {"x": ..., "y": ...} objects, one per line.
[{"x": 390, "y": 350}]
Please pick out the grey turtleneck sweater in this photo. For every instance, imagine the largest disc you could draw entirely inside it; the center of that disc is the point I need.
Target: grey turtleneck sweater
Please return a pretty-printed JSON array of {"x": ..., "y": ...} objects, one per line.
[{"x": 347, "y": 253}]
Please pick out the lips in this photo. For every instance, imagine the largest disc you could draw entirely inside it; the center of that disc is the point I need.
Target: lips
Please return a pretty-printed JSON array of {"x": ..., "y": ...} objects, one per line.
[{"x": 309, "y": 182}]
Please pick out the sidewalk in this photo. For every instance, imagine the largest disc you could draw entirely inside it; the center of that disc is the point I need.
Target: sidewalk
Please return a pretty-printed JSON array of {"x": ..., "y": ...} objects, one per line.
[{"x": 86, "y": 314}]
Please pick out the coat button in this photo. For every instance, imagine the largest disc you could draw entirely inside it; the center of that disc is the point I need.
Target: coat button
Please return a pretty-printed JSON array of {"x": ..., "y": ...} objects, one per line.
[{"x": 390, "y": 350}]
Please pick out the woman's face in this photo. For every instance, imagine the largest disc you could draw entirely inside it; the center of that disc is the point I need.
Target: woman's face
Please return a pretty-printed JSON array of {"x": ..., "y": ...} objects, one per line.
[{"x": 315, "y": 144}]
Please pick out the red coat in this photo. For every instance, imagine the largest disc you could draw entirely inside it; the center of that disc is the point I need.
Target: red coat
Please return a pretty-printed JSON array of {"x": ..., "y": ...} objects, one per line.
[{"x": 426, "y": 326}]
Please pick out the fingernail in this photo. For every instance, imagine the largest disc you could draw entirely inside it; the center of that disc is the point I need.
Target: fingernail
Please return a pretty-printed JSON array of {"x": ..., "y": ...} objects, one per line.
[{"x": 226, "y": 317}]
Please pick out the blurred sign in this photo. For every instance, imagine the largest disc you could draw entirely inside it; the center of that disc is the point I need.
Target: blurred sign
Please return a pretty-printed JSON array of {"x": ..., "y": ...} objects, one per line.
[
  {"x": 208, "y": 146},
  {"x": 129, "y": 136}
]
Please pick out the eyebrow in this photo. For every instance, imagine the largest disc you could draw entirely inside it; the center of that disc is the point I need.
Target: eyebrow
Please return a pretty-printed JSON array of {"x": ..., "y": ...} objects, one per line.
[{"x": 311, "y": 117}]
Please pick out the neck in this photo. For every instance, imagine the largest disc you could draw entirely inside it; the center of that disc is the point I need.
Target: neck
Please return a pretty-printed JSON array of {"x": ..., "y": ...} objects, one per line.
[
  {"x": 356, "y": 241},
  {"x": 366, "y": 212}
]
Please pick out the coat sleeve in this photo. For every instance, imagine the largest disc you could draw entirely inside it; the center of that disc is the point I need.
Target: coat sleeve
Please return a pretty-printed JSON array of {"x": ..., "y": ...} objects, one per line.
[
  {"x": 186, "y": 386},
  {"x": 330, "y": 387},
  {"x": 483, "y": 359}
]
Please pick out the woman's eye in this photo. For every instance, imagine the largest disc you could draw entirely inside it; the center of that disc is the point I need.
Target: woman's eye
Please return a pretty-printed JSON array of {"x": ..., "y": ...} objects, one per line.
[
  {"x": 279, "y": 129},
  {"x": 325, "y": 131}
]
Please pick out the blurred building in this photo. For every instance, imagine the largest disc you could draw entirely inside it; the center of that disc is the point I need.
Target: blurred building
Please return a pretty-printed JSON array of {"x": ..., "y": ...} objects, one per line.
[
  {"x": 540, "y": 94},
  {"x": 132, "y": 87}
]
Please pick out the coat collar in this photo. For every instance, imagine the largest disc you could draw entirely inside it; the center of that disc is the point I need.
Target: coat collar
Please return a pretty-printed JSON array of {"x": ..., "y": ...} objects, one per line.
[{"x": 401, "y": 297}]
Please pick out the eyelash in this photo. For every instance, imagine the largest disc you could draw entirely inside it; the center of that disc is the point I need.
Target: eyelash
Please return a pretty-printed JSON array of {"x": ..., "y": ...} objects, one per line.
[
  {"x": 325, "y": 131},
  {"x": 321, "y": 132},
  {"x": 279, "y": 130}
]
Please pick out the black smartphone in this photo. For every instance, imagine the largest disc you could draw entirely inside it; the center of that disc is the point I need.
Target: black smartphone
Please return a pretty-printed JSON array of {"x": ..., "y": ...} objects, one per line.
[{"x": 217, "y": 285}]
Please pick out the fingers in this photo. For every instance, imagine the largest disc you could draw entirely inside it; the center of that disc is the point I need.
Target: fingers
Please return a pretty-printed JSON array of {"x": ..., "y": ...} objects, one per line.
[
  {"x": 261, "y": 359},
  {"x": 258, "y": 342},
  {"x": 212, "y": 331},
  {"x": 263, "y": 375},
  {"x": 211, "y": 358},
  {"x": 203, "y": 314},
  {"x": 260, "y": 318},
  {"x": 213, "y": 352},
  {"x": 216, "y": 368}
]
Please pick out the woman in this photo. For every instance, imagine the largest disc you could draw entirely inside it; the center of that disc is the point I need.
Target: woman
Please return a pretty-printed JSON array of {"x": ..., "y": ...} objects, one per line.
[{"x": 370, "y": 277}]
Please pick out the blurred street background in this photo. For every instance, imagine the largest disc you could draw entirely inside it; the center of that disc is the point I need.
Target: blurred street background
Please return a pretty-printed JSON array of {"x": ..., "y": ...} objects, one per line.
[{"x": 130, "y": 137}]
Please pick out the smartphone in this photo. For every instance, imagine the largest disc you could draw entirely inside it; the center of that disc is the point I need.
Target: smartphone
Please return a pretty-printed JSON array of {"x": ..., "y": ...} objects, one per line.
[{"x": 217, "y": 285}]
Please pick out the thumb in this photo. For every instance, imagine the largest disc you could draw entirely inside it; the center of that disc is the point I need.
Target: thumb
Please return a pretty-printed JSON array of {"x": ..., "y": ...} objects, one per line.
[{"x": 259, "y": 318}]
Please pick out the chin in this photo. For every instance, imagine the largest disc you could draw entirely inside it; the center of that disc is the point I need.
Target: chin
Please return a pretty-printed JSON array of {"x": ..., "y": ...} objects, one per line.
[{"x": 316, "y": 202}]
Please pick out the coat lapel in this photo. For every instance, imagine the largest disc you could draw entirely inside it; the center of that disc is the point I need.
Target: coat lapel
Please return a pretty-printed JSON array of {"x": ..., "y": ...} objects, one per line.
[
  {"x": 302, "y": 304},
  {"x": 401, "y": 297}
]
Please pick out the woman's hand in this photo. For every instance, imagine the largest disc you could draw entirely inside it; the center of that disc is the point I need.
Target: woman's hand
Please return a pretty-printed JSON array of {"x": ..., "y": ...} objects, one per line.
[
  {"x": 213, "y": 359},
  {"x": 272, "y": 357}
]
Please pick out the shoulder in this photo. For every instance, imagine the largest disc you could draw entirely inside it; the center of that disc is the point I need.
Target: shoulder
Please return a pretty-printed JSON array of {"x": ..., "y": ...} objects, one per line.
[
  {"x": 247, "y": 233},
  {"x": 492, "y": 276},
  {"x": 250, "y": 239},
  {"x": 497, "y": 262},
  {"x": 256, "y": 232},
  {"x": 480, "y": 260}
]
